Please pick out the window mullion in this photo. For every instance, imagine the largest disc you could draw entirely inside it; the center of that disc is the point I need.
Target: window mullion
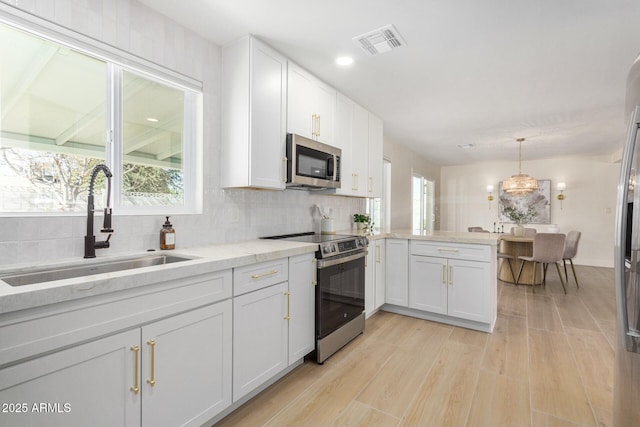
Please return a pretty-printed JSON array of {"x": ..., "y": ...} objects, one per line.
[{"x": 114, "y": 112}]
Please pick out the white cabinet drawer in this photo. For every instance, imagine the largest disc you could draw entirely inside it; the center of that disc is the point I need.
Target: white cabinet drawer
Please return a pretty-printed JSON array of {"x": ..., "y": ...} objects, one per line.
[
  {"x": 465, "y": 251},
  {"x": 257, "y": 276}
]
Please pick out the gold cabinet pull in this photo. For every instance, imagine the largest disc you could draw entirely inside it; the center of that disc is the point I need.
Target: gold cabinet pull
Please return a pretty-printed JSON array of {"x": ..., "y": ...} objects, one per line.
[
  {"x": 136, "y": 386},
  {"x": 444, "y": 274},
  {"x": 152, "y": 381},
  {"x": 378, "y": 254},
  {"x": 288, "y": 316},
  {"x": 314, "y": 282},
  {"x": 451, "y": 275},
  {"x": 370, "y": 184},
  {"x": 268, "y": 273},
  {"x": 354, "y": 182},
  {"x": 318, "y": 134},
  {"x": 454, "y": 250}
]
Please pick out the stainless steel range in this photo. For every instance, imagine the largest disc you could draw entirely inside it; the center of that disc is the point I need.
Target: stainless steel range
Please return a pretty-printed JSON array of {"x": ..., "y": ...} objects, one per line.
[{"x": 340, "y": 289}]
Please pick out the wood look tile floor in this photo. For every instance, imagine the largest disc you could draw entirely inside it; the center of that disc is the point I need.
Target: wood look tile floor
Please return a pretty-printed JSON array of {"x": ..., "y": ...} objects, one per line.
[{"x": 549, "y": 362}]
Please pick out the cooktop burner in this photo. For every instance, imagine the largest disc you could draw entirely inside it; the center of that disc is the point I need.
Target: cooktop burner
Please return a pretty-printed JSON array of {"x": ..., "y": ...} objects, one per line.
[{"x": 310, "y": 237}]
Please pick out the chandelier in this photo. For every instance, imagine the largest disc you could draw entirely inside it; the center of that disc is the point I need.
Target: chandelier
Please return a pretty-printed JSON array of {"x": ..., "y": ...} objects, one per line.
[{"x": 521, "y": 184}]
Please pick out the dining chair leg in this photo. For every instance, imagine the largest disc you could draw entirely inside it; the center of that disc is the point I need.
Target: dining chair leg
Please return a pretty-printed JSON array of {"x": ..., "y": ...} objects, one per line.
[
  {"x": 544, "y": 274},
  {"x": 535, "y": 270},
  {"x": 561, "y": 279},
  {"x": 520, "y": 272},
  {"x": 574, "y": 273},
  {"x": 566, "y": 275},
  {"x": 511, "y": 270}
]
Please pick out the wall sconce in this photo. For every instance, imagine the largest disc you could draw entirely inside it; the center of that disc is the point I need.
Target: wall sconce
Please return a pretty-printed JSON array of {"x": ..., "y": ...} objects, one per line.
[
  {"x": 490, "y": 196},
  {"x": 561, "y": 187}
]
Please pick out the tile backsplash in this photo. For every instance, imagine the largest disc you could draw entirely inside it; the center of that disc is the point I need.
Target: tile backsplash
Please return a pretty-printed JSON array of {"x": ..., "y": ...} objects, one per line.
[{"x": 229, "y": 215}]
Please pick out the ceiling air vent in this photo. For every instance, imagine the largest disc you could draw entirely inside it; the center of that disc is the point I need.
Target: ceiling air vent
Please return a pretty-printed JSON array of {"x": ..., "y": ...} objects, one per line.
[{"x": 380, "y": 41}]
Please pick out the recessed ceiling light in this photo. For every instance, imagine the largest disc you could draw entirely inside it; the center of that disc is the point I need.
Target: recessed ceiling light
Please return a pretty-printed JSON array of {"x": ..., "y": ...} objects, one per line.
[
  {"x": 344, "y": 61},
  {"x": 152, "y": 120},
  {"x": 466, "y": 146}
]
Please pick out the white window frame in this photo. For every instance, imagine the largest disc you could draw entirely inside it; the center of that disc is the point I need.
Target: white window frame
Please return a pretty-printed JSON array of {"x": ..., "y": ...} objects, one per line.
[{"x": 117, "y": 61}]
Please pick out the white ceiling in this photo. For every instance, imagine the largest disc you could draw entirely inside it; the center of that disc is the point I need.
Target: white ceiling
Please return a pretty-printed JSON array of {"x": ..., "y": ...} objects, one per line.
[{"x": 473, "y": 72}]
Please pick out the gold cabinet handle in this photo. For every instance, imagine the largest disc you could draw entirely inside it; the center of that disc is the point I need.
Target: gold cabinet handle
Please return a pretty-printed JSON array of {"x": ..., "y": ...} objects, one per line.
[
  {"x": 378, "y": 254},
  {"x": 451, "y": 275},
  {"x": 288, "y": 316},
  {"x": 136, "y": 386},
  {"x": 268, "y": 273},
  {"x": 314, "y": 282},
  {"x": 370, "y": 184},
  {"x": 318, "y": 125},
  {"x": 152, "y": 381},
  {"x": 354, "y": 182},
  {"x": 453, "y": 250},
  {"x": 444, "y": 274}
]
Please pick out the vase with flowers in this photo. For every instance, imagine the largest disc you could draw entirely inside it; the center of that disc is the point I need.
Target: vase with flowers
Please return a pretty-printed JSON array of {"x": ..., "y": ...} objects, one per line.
[{"x": 520, "y": 217}]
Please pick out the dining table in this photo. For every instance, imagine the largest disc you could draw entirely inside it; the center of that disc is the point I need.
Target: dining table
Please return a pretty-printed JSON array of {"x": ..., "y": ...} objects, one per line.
[{"x": 518, "y": 246}]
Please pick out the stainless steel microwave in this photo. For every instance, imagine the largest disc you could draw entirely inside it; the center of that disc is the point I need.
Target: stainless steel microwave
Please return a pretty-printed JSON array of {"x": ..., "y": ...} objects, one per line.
[{"x": 312, "y": 164}]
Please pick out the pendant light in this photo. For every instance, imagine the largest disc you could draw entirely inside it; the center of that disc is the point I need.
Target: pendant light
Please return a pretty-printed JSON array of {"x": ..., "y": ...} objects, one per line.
[{"x": 521, "y": 184}]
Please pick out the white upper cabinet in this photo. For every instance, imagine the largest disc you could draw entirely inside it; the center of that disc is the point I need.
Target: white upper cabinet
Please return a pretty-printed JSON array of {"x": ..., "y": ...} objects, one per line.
[
  {"x": 310, "y": 106},
  {"x": 375, "y": 164},
  {"x": 254, "y": 87}
]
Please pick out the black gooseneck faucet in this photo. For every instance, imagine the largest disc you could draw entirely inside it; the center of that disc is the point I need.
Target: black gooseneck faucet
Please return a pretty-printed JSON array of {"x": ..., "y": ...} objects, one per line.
[{"x": 90, "y": 244}]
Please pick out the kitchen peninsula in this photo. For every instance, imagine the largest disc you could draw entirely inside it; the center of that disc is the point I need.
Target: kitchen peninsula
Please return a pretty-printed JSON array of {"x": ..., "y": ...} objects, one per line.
[{"x": 447, "y": 277}]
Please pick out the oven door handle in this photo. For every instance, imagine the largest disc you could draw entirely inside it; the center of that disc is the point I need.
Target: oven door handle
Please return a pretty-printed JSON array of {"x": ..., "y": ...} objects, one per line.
[{"x": 335, "y": 261}]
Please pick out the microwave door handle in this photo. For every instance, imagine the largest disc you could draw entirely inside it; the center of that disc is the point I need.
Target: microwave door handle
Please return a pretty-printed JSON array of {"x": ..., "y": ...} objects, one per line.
[{"x": 331, "y": 166}]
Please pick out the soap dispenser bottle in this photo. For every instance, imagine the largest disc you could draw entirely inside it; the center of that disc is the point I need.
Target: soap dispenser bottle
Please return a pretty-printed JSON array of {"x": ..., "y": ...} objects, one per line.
[{"x": 167, "y": 236}]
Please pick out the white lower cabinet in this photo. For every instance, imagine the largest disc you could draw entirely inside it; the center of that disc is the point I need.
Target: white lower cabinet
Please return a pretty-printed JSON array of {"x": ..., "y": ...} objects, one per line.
[
  {"x": 302, "y": 298},
  {"x": 397, "y": 272},
  {"x": 259, "y": 337},
  {"x": 445, "y": 285},
  {"x": 172, "y": 372},
  {"x": 273, "y": 327},
  {"x": 375, "y": 272}
]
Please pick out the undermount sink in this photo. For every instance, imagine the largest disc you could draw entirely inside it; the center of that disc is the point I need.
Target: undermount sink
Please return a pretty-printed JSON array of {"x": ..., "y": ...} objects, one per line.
[{"x": 73, "y": 271}]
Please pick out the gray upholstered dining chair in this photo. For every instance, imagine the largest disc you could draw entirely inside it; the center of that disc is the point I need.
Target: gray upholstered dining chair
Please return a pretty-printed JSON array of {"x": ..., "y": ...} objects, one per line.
[
  {"x": 570, "y": 251},
  {"x": 548, "y": 248}
]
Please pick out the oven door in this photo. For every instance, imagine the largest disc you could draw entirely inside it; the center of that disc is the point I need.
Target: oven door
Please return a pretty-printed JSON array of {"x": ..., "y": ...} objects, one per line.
[{"x": 340, "y": 292}]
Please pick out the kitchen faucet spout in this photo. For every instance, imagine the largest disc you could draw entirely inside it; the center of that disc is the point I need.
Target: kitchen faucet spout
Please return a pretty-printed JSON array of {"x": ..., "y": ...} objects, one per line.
[{"x": 90, "y": 244}]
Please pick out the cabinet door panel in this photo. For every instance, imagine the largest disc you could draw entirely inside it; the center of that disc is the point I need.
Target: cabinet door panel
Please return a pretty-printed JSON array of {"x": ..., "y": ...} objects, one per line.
[
  {"x": 325, "y": 106},
  {"x": 469, "y": 290},
  {"x": 397, "y": 274},
  {"x": 86, "y": 385},
  {"x": 375, "y": 156},
  {"x": 380, "y": 273},
  {"x": 192, "y": 366},
  {"x": 428, "y": 278},
  {"x": 302, "y": 270},
  {"x": 370, "y": 283},
  {"x": 259, "y": 337},
  {"x": 268, "y": 89},
  {"x": 300, "y": 99},
  {"x": 359, "y": 151}
]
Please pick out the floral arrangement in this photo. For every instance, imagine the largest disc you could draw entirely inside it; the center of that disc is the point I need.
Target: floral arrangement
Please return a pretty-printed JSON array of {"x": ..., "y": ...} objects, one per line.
[{"x": 520, "y": 217}]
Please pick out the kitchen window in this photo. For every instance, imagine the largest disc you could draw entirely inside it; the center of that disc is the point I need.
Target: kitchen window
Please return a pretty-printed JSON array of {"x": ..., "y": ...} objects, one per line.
[{"x": 65, "y": 109}]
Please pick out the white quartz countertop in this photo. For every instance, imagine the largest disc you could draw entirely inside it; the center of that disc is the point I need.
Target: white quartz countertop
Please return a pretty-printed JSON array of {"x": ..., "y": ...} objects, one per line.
[
  {"x": 206, "y": 259},
  {"x": 491, "y": 239}
]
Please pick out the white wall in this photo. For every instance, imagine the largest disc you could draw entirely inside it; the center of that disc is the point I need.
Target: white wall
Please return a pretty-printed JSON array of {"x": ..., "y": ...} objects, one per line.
[
  {"x": 589, "y": 205},
  {"x": 404, "y": 163},
  {"x": 228, "y": 215}
]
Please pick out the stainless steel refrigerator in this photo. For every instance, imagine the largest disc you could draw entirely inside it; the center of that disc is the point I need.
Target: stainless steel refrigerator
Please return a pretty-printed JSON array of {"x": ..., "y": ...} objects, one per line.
[{"x": 626, "y": 410}]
